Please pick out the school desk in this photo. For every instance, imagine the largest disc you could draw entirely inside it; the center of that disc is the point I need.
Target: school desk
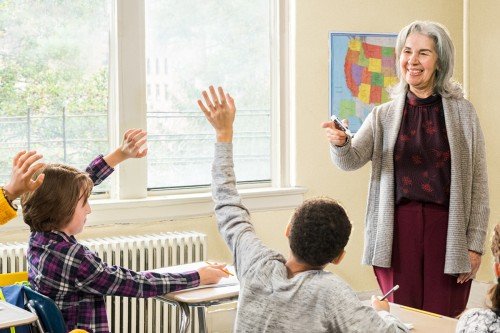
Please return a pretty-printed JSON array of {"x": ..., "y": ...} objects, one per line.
[
  {"x": 11, "y": 315},
  {"x": 423, "y": 322},
  {"x": 199, "y": 298}
]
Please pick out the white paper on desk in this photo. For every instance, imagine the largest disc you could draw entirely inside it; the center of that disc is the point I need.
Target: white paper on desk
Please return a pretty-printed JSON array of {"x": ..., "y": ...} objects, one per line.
[
  {"x": 409, "y": 326},
  {"x": 224, "y": 282}
]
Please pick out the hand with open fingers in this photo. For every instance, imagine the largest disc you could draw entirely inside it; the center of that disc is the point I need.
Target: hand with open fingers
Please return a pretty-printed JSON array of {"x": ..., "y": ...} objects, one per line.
[
  {"x": 379, "y": 305},
  {"x": 211, "y": 274},
  {"x": 333, "y": 134},
  {"x": 219, "y": 109},
  {"x": 134, "y": 140},
  {"x": 475, "y": 262},
  {"x": 24, "y": 167}
]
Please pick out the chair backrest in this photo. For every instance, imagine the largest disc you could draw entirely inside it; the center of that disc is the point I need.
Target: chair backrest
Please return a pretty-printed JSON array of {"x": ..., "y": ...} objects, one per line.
[
  {"x": 47, "y": 311},
  {"x": 7, "y": 279}
]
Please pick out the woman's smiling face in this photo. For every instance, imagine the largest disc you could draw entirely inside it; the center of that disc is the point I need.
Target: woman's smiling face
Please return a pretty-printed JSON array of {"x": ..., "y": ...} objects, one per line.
[{"x": 418, "y": 64}]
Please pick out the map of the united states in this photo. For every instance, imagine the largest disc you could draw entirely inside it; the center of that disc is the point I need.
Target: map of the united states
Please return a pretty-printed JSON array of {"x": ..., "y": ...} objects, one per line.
[
  {"x": 369, "y": 69},
  {"x": 362, "y": 69}
]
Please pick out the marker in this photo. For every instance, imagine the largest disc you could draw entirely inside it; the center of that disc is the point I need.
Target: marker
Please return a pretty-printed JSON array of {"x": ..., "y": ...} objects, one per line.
[
  {"x": 222, "y": 269},
  {"x": 338, "y": 123},
  {"x": 396, "y": 287}
]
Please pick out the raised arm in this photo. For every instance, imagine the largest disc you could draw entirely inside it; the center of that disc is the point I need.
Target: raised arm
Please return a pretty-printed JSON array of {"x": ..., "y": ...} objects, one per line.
[
  {"x": 133, "y": 146},
  {"x": 232, "y": 216}
]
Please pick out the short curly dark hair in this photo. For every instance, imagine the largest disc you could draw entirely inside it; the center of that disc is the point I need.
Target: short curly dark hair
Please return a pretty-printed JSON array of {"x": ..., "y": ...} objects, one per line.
[{"x": 320, "y": 230}]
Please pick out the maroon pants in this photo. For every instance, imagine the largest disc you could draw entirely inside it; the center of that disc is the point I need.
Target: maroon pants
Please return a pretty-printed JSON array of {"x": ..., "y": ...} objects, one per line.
[{"x": 418, "y": 256}]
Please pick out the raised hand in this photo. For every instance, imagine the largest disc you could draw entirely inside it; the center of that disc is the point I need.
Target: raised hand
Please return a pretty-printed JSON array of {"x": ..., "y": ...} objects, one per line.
[
  {"x": 132, "y": 147},
  {"x": 23, "y": 169},
  {"x": 133, "y": 141},
  {"x": 219, "y": 109}
]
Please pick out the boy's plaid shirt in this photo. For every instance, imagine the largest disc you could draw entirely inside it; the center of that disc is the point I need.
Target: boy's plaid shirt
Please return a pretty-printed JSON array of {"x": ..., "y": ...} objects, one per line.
[{"x": 77, "y": 279}]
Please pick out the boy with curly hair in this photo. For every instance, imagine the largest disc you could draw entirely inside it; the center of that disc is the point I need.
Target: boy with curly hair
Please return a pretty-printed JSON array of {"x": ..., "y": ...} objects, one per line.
[{"x": 293, "y": 294}]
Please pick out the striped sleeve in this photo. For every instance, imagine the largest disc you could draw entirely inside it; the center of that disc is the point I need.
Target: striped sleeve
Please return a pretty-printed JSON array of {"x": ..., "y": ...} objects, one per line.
[{"x": 98, "y": 278}]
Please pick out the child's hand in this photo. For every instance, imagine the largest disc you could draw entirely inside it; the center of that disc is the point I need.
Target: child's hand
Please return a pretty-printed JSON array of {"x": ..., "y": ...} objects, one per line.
[
  {"x": 133, "y": 140},
  {"x": 23, "y": 168},
  {"x": 212, "y": 273},
  {"x": 380, "y": 305},
  {"x": 220, "y": 112}
]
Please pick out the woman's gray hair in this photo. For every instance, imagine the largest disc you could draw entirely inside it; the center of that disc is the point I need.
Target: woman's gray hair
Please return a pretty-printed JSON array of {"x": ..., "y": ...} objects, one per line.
[{"x": 443, "y": 83}]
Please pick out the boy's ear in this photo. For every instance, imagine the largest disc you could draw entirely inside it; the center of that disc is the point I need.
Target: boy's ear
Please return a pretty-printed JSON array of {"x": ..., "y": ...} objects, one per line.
[
  {"x": 339, "y": 258},
  {"x": 288, "y": 228},
  {"x": 496, "y": 269}
]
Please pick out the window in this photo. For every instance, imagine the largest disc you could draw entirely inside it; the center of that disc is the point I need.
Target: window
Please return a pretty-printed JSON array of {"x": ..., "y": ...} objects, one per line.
[
  {"x": 75, "y": 74},
  {"x": 227, "y": 45},
  {"x": 54, "y": 64}
]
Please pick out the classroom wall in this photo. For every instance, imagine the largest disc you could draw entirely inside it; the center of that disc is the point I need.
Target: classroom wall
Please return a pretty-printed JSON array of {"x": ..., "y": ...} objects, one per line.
[
  {"x": 484, "y": 71},
  {"x": 314, "y": 19}
]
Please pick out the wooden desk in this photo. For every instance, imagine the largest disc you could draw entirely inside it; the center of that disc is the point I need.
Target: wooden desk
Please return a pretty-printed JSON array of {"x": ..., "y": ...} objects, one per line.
[
  {"x": 422, "y": 323},
  {"x": 201, "y": 298},
  {"x": 11, "y": 315},
  {"x": 228, "y": 289}
]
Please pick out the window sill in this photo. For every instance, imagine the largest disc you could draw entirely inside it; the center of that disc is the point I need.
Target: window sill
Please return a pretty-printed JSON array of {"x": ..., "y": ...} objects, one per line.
[
  {"x": 180, "y": 206},
  {"x": 175, "y": 207}
]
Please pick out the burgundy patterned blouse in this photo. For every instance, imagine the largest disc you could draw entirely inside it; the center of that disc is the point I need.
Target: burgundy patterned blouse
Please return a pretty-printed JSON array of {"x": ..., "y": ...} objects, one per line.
[{"x": 422, "y": 164}]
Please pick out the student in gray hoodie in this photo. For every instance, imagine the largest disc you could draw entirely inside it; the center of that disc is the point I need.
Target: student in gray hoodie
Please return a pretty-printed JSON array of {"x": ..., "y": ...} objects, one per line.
[{"x": 294, "y": 294}]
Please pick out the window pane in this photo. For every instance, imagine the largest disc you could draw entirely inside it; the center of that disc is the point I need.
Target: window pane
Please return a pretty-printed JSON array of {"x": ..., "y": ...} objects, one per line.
[
  {"x": 189, "y": 45},
  {"x": 54, "y": 57}
]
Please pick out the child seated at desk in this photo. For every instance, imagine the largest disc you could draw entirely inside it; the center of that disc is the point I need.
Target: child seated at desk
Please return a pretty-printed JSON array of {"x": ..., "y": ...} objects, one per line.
[
  {"x": 486, "y": 320},
  {"x": 68, "y": 272},
  {"x": 294, "y": 294}
]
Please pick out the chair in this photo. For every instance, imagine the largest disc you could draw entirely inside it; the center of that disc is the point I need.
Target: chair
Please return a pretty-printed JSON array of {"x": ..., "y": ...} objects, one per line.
[
  {"x": 12, "y": 291},
  {"x": 49, "y": 315},
  {"x": 7, "y": 279}
]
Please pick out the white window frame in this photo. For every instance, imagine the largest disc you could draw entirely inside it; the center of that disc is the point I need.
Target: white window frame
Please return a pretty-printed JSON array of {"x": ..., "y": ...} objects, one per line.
[{"x": 129, "y": 200}]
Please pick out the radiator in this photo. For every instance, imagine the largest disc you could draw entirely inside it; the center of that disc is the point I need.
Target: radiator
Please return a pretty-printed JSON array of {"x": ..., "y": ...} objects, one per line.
[{"x": 139, "y": 253}]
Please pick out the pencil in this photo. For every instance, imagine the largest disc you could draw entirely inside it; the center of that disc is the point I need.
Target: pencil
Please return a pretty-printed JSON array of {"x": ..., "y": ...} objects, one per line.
[
  {"x": 421, "y": 311},
  {"x": 393, "y": 289},
  {"x": 222, "y": 269}
]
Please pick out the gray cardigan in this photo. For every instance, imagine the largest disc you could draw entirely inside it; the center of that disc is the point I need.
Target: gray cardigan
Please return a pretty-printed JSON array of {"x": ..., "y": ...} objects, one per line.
[{"x": 469, "y": 206}]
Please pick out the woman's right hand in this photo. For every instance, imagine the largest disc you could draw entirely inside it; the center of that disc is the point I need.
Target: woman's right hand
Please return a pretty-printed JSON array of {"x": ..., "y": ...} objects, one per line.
[{"x": 334, "y": 135}]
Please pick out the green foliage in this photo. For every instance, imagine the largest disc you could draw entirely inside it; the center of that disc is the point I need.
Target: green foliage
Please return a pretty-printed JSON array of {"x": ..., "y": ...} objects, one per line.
[
  {"x": 54, "y": 57},
  {"x": 47, "y": 61}
]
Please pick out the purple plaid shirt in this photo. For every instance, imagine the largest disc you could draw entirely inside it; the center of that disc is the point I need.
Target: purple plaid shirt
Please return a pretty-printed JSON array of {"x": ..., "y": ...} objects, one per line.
[
  {"x": 77, "y": 279},
  {"x": 99, "y": 170}
]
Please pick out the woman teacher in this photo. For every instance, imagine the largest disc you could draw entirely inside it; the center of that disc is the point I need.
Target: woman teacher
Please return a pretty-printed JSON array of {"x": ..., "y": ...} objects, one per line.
[{"x": 428, "y": 209}]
